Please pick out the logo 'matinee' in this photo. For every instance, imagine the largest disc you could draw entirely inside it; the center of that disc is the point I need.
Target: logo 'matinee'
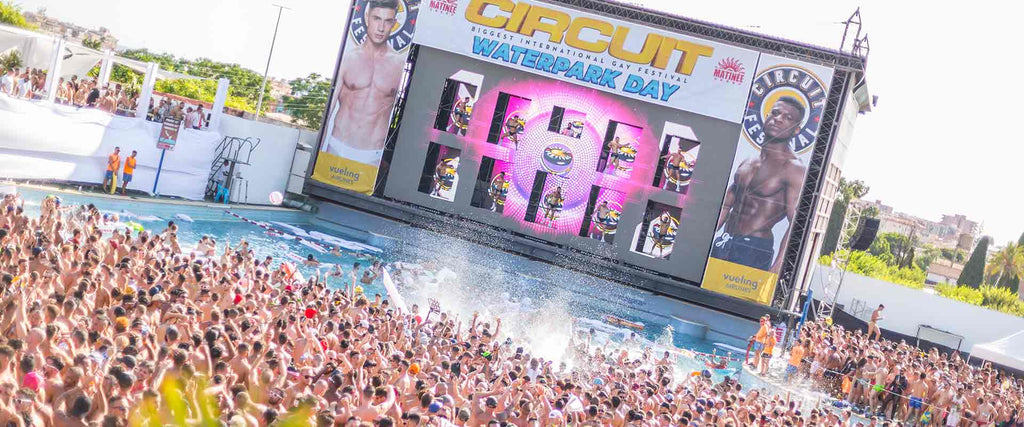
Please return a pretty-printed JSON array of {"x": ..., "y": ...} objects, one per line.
[
  {"x": 401, "y": 33},
  {"x": 447, "y": 7},
  {"x": 787, "y": 84},
  {"x": 730, "y": 70}
]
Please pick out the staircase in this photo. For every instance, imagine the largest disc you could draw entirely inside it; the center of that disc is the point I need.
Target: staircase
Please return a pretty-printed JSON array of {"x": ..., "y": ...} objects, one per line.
[
  {"x": 834, "y": 282},
  {"x": 235, "y": 151}
]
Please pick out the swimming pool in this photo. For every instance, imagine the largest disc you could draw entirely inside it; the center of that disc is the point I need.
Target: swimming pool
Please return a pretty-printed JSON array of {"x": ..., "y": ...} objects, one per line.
[{"x": 540, "y": 304}]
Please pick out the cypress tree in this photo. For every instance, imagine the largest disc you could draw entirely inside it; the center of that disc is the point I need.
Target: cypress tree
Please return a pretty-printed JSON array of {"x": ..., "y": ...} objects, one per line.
[{"x": 973, "y": 274}]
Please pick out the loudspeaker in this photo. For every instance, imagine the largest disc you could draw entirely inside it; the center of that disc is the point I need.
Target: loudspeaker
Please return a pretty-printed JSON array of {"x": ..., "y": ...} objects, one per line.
[
  {"x": 535, "y": 196},
  {"x": 867, "y": 228},
  {"x": 555, "y": 124}
]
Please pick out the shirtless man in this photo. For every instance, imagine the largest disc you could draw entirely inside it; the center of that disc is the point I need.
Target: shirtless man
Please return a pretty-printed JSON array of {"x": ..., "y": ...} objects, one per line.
[
  {"x": 498, "y": 185},
  {"x": 552, "y": 204},
  {"x": 439, "y": 172},
  {"x": 674, "y": 162},
  {"x": 664, "y": 224},
  {"x": 918, "y": 392},
  {"x": 873, "y": 324},
  {"x": 613, "y": 155},
  {"x": 601, "y": 213},
  {"x": 461, "y": 112},
  {"x": 986, "y": 413},
  {"x": 369, "y": 76},
  {"x": 513, "y": 127},
  {"x": 878, "y": 388},
  {"x": 763, "y": 192}
]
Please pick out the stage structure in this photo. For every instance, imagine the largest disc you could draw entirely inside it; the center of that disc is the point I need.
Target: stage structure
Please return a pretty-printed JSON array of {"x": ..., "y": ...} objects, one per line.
[{"x": 679, "y": 156}]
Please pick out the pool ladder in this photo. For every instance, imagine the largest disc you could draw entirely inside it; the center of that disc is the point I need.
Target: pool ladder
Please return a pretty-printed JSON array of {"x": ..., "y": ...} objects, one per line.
[{"x": 236, "y": 151}]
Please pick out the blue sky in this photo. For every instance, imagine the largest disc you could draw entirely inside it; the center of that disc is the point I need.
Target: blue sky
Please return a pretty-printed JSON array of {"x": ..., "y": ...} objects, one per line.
[{"x": 941, "y": 141}]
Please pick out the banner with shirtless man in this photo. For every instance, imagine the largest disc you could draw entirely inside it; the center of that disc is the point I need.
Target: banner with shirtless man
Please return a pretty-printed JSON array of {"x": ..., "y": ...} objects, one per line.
[
  {"x": 779, "y": 128},
  {"x": 365, "y": 88}
]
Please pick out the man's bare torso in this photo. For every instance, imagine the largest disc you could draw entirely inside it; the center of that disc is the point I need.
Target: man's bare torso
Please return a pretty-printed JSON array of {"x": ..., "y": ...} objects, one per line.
[
  {"x": 761, "y": 186},
  {"x": 368, "y": 84}
]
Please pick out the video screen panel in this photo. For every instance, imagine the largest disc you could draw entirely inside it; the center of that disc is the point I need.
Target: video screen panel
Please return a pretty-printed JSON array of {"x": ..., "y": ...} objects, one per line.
[
  {"x": 440, "y": 177},
  {"x": 655, "y": 236},
  {"x": 525, "y": 105},
  {"x": 492, "y": 185},
  {"x": 679, "y": 150},
  {"x": 601, "y": 221},
  {"x": 661, "y": 121},
  {"x": 509, "y": 120}
]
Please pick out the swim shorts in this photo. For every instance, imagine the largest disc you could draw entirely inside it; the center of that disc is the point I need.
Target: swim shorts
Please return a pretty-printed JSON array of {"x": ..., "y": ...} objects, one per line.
[
  {"x": 878, "y": 388},
  {"x": 757, "y": 346},
  {"x": 126, "y": 178},
  {"x": 790, "y": 369},
  {"x": 766, "y": 355},
  {"x": 915, "y": 402},
  {"x": 109, "y": 174},
  {"x": 755, "y": 252},
  {"x": 341, "y": 149}
]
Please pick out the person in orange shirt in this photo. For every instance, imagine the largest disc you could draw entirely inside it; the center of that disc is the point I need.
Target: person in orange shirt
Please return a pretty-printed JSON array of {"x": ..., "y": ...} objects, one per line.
[
  {"x": 758, "y": 340},
  {"x": 129, "y": 169},
  {"x": 113, "y": 165},
  {"x": 796, "y": 356},
  {"x": 766, "y": 352}
]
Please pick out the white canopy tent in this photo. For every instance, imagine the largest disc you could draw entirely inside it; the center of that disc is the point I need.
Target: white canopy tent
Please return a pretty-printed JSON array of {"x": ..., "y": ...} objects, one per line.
[
  {"x": 36, "y": 51},
  {"x": 1007, "y": 351}
]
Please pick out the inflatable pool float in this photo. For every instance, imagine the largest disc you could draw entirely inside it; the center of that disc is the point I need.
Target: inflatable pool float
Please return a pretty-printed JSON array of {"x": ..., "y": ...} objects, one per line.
[{"x": 618, "y": 321}]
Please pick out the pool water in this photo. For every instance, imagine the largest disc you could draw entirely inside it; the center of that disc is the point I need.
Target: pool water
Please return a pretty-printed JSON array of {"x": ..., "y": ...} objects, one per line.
[{"x": 541, "y": 306}]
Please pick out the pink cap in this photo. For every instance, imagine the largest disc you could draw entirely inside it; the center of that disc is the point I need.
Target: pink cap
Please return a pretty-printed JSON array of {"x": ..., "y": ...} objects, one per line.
[{"x": 33, "y": 381}]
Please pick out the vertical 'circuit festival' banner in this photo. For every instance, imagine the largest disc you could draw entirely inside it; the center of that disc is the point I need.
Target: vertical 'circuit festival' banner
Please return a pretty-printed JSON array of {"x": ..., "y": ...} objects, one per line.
[
  {"x": 365, "y": 88},
  {"x": 779, "y": 128}
]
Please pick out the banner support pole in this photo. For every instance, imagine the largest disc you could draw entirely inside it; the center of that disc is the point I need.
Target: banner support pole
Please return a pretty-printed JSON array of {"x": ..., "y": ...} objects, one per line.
[{"x": 159, "y": 167}]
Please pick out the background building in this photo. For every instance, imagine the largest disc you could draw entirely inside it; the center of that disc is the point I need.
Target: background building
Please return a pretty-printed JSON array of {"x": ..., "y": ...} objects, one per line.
[{"x": 70, "y": 31}]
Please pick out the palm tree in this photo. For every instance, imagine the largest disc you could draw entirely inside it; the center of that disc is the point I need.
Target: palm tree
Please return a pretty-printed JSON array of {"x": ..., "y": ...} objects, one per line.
[{"x": 1007, "y": 262}]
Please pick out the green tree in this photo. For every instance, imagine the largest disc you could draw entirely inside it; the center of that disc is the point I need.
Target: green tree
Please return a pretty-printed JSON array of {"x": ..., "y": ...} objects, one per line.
[
  {"x": 928, "y": 254},
  {"x": 308, "y": 100},
  {"x": 10, "y": 14},
  {"x": 894, "y": 248},
  {"x": 973, "y": 273},
  {"x": 1005, "y": 265},
  {"x": 908, "y": 260},
  {"x": 881, "y": 248},
  {"x": 10, "y": 60},
  {"x": 245, "y": 86},
  {"x": 953, "y": 255},
  {"x": 92, "y": 43},
  {"x": 201, "y": 90},
  {"x": 848, "y": 191},
  {"x": 1014, "y": 283}
]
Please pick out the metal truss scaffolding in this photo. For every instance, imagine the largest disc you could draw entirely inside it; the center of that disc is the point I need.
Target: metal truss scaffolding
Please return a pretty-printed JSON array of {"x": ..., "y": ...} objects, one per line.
[
  {"x": 776, "y": 46},
  {"x": 816, "y": 169}
]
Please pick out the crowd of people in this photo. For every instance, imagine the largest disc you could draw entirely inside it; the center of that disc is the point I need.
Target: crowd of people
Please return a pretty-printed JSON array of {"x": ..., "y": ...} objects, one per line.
[
  {"x": 88, "y": 93},
  {"x": 882, "y": 379},
  {"x": 109, "y": 326},
  {"x": 192, "y": 118},
  {"x": 30, "y": 83}
]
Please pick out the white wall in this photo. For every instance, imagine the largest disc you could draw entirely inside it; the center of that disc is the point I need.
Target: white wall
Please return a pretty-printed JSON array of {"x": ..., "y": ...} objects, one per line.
[
  {"x": 40, "y": 140},
  {"x": 272, "y": 161},
  {"x": 906, "y": 308}
]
